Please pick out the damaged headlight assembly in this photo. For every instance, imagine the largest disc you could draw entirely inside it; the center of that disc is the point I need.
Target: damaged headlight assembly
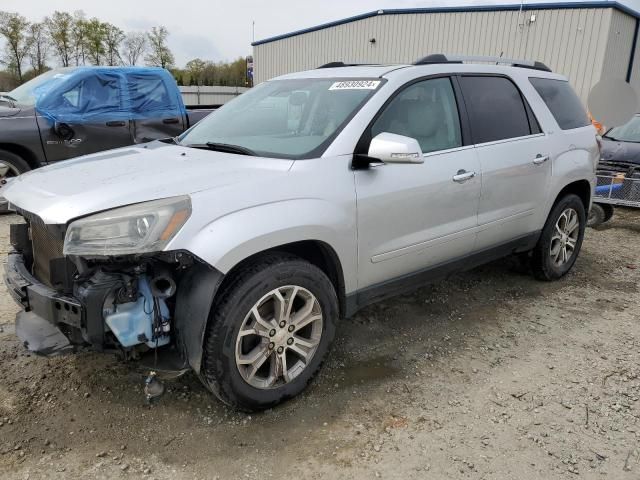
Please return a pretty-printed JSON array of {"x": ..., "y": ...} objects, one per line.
[{"x": 134, "y": 229}]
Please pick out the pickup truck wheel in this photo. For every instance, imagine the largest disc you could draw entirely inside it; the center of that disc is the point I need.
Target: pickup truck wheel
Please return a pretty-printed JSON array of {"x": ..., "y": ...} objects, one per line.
[
  {"x": 269, "y": 333},
  {"x": 596, "y": 215},
  {"x": 561, "y": 239},
  {"x": 11, "y": 165}
]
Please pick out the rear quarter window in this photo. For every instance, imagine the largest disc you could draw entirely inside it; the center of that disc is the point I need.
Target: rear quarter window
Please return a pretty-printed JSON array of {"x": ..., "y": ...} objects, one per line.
[{"x": 562, "y": 101}]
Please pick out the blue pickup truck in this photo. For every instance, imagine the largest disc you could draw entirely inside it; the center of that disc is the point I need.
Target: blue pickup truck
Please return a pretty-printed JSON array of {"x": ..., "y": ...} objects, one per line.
[{"x": 69, "y": 112}]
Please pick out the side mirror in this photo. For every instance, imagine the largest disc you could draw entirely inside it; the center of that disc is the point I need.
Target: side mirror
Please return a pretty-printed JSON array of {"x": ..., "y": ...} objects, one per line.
[{"x": 392, "y": 148}]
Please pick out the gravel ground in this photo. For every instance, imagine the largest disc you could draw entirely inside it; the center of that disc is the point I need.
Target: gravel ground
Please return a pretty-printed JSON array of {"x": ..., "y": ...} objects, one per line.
[{"x": 490, "y": 375}]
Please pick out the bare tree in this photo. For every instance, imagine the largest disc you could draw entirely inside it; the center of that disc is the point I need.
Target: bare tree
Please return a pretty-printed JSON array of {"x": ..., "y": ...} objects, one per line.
[
  {"x": 113, "y": 38},
  {"x": 60, "y": 26},
  {"x": 40, "y": 44},
  {"x": 13, "y": 27},
  {"x": 159, "y": 53},
  {"x": 135, "y": 44}
]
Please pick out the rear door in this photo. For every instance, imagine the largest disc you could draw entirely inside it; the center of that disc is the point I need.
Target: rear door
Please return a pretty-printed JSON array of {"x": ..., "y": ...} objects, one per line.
[
  {"x": 157, "y": 111},
  {"x": 85, "y": 117},
  {"x": 416, "y": 216},
  {"x": 514, "y": 155}
]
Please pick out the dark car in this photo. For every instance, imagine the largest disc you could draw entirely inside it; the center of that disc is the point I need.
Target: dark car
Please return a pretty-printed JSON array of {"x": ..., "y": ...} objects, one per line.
[
  {"x": 618, "y": 171},
  {"x": 69, "y": 112},
  {"x": 621, "y": 145}
]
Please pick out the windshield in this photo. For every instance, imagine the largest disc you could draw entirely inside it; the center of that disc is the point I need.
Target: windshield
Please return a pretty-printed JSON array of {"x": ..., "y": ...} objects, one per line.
[
  {"x": 629, "y": 132},
  {"x": 28, "y": 93},
  {"x": 284, "y": 118}
]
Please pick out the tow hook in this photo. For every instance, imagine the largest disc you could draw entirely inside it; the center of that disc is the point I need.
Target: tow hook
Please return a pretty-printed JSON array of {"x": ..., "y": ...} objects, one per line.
[{"x": 153, "y": 388}]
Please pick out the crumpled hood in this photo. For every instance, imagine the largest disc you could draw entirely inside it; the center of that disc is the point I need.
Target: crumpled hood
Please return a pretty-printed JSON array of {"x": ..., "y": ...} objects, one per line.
[
  {"x": 613, "y": 150},
  {"x": 93, "y": 183}
]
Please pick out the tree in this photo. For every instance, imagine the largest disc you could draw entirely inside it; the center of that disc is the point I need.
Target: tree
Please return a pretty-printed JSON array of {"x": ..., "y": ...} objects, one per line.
[
  {"x": 135, "y": 44},
  {"x": 113, "y": 38},
  {"x": 159, "y": 53},
  {"x": 40, "y": 44},
  {"x": 13, "y": 27},
  {"x": 196, "y": 70},
  {"x": 95, "y": 34},
  {"x": 79, "y": 34},
  {"x": 60, "y": 26}
]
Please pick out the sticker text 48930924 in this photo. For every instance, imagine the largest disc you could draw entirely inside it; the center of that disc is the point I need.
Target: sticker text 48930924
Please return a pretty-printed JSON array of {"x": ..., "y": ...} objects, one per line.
[{"x": 355, "y": 85}]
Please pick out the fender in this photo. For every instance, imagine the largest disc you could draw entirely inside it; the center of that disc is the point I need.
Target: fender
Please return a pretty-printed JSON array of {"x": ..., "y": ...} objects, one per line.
[
  {"x": 569, "y": 167},
  {"x": 230, "y": 239}
]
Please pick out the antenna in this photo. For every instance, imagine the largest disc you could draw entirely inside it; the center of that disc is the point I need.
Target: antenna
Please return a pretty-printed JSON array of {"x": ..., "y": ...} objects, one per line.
[{"x": 253, "y": 31}]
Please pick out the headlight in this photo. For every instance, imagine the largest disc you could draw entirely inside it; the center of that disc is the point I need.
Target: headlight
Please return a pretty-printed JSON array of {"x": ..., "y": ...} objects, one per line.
[{"x": 140, "y": 228}]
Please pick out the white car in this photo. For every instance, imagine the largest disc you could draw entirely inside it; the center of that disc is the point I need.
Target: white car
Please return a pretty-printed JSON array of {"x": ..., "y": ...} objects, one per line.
[{"x": 238, "y": 246}]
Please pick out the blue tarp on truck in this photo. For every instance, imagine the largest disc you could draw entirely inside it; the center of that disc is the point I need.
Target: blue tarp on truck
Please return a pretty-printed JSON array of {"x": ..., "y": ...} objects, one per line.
[{"x": 96, "y": 94}]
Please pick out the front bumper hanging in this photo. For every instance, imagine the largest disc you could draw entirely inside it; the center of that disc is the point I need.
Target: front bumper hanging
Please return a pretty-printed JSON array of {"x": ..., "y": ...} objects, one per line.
[{"x": 44, "y": 310}]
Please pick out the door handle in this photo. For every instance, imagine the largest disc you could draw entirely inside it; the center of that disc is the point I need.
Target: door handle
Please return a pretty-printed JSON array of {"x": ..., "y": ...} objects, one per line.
[
  {"x": 462, "y": 176},
  {"x": 116, "y": 123},
  {"x": 170, "y": 121},
  {"x": 540, "y": 159}
]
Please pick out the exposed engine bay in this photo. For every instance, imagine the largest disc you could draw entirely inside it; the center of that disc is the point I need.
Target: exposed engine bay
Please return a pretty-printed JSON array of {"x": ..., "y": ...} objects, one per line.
[{"x": 123, "y": 304}]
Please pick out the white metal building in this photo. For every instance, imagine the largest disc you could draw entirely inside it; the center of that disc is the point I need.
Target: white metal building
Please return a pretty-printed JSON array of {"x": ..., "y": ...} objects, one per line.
[{"x": 585, "y": 41}]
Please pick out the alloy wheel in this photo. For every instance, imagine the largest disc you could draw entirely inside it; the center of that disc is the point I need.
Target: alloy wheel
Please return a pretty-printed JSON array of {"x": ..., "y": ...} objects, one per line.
[
  {"x": 279, "y": 337},
  {"x": 565, "y": 237}
]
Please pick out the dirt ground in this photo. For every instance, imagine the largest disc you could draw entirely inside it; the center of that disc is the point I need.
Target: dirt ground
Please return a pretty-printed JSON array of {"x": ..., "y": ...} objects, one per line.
[{"x": 490, "y": 375}]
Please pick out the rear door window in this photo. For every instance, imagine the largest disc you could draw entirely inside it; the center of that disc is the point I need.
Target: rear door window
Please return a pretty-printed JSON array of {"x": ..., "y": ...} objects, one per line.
[
  {"x": 562, "y": 101},
  {"x": 496, "y": 108},
  {"x": 149, "y": 95}
]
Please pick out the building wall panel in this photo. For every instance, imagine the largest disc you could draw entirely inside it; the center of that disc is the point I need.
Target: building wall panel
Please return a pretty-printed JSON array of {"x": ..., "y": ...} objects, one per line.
[
  {"x": 581, "y": 43},
  {"x": 619, "y": 43}
]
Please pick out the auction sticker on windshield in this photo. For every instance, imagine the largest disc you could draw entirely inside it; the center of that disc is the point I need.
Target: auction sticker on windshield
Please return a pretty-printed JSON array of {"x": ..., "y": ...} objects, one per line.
[{"x": 355, "y": 85}]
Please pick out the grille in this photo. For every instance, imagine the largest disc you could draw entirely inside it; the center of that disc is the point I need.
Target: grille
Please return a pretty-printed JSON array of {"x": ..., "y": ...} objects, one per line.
[{"x": 47, "y": 245}]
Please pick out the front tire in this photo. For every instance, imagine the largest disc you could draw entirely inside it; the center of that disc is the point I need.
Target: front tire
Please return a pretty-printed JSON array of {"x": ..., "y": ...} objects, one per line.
[
  {"x": 561, "y": 239},
  {"x": 11, "y": 165},
  {"x": 269, "y": 332}
]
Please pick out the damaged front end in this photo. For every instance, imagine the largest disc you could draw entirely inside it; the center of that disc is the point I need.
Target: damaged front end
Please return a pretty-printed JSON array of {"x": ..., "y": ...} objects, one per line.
[{"x": 132, "y": 303}]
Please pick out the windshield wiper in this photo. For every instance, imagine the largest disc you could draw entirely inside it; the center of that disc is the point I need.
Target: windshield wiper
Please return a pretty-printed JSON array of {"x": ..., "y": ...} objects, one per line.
[{"x": 223, "y": 147}]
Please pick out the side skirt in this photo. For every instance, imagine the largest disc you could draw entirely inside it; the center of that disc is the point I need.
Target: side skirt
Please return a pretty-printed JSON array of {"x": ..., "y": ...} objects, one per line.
[{"x": 413, "y": 281}]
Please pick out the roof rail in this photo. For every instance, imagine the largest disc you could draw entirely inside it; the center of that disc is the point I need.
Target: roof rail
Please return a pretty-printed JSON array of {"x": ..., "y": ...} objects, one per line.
[
  {"x": 342, "y": 64},
  {"x": 437, "y": 58}
]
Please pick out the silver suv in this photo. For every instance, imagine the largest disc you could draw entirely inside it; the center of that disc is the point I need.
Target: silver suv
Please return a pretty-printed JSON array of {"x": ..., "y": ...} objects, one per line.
[{"x": 234, "y": 249}]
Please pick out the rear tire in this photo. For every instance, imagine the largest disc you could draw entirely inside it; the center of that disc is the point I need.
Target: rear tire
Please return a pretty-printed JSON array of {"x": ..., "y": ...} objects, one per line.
[
  {"x": 561, "y": 239},
  {"x": 277, "y": 353}
]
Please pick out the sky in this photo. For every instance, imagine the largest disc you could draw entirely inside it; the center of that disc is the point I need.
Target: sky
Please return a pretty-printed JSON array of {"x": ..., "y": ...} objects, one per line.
[{"x": 222, "y": 30}]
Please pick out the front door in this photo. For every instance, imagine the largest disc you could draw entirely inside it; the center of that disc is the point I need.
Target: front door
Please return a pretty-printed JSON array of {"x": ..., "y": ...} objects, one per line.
[
  {"x": 514, "y": 156},
  {"x": 416, "y": 216},
  {"x": 87, "y": 117}
]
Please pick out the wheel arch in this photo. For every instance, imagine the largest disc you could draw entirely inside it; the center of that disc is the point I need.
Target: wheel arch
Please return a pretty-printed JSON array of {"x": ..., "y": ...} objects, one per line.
[
  {"x": 23, "y": 152},
  {"x": 316, "y": 252},
  {"x": 581, "y": 188}
]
